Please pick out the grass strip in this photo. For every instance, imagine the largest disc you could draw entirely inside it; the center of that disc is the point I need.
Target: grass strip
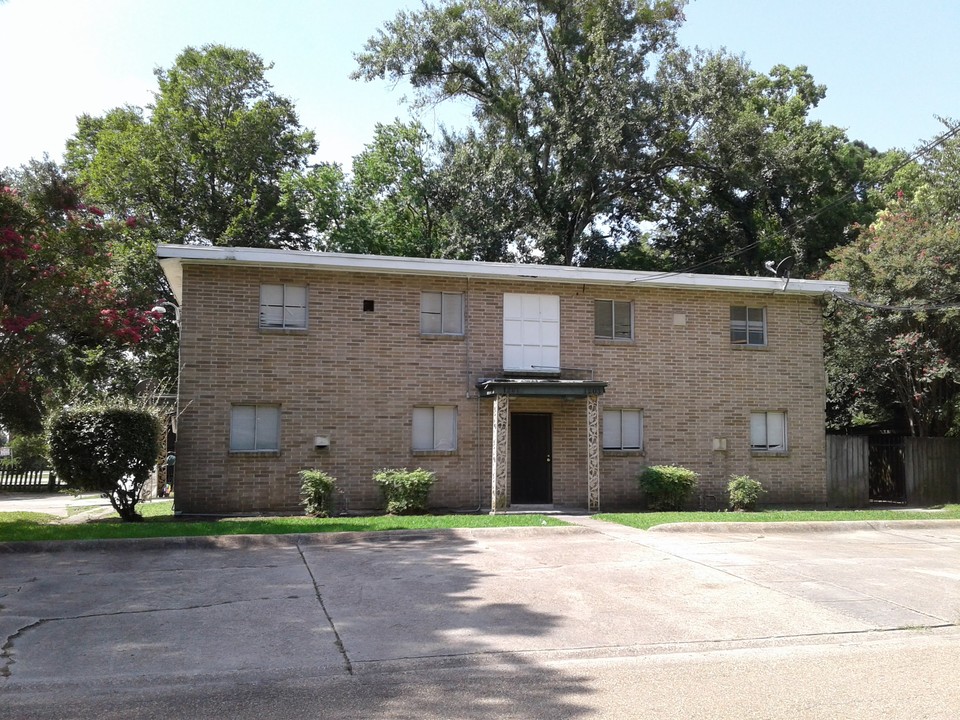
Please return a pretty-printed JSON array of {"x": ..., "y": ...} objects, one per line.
[
  {"x": 644, "y": 521},
  {"x": 157, "y": 523}
]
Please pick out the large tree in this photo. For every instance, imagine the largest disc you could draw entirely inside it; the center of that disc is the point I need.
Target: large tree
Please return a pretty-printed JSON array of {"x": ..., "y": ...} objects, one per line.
[
  {"x": 756, "y": 178},
  {"x": 561, "y": 89},
  {"x": 893, "y": 353},
  {"x": 203, "y": 164},
  {"x": 68, "y": 315}
]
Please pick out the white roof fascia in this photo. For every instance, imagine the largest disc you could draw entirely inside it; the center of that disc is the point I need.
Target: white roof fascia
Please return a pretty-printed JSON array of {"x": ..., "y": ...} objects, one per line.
[{"x": 172, "y": 256}]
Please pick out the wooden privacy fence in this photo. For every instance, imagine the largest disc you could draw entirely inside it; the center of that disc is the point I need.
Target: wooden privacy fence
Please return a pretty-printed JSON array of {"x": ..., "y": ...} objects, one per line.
[
  {"x": 16, "y": 479},
  {"x": 917, "y": 471}
]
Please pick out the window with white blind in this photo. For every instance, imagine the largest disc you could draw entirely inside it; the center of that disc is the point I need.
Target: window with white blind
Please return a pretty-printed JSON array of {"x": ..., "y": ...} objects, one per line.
[
  {"x": 622, "y": 430},
  {"x": 283, "y": 306},
  {"x": 768, "y": 432},
  {"x": 435, "y": 428},
  {"x": 254, "y": 428},
  {"x": 441, "y": 313}
]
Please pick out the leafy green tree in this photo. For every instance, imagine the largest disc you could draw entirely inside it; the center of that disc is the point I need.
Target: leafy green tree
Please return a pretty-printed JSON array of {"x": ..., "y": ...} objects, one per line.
[
  {"x": 394, "y": 190},
  {"x": 321, "y": 195},
  {"x": 896, "y": 357},
  {"x": 110, "y": 449},
  {"x": 66, "y": 316},
  {"x": 756, "y": 179},
  {"x": 204, "y": 163},
  {"x": 936, "y": 181},
  {"x": 560, "y": 90}
]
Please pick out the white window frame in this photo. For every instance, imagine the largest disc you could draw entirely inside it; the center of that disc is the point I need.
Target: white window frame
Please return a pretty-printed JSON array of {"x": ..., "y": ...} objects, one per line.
[
  {"x": 254, "y": 428},
  {"x": 768, "y": 432},
  {"x": 743, "y": 331},
  {"x": 291, "y": 305},
  {"x": 611, "y": 307},
  {"x": 449, "y": 317},
  {"x": 613, "y": 429},
  {"x": 434, "y": 428}
]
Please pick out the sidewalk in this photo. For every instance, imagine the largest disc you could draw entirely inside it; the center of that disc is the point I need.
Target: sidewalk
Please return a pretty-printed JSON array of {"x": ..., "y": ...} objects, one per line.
[{"x": 51, "y": 503}]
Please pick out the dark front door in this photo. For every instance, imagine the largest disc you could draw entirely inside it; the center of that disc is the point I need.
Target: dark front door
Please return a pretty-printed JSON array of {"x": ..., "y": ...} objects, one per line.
[{"x": 531, "y": 480}]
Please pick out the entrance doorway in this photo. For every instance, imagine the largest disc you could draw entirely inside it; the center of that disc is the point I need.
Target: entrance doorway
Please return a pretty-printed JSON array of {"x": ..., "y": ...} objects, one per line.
[{"x": 531, "y": 448}]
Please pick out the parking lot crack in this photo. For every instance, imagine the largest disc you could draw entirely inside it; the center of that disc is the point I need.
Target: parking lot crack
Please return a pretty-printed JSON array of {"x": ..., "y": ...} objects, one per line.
[
  {"x": 338, "y": 641},
  {"x": 6, "y": 651}
]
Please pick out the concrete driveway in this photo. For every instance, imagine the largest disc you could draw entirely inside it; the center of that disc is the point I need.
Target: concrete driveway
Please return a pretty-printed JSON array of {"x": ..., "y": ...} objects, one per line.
[{"x": 532, "y": 622}]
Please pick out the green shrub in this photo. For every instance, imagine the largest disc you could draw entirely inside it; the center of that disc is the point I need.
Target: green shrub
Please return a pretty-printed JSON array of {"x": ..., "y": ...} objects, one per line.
[
  {"x": 316, "y": 489},
  {"x": 28, "y": 452},
  {"x": 405, "y": 491},
  {"x": 109, "y": 449},
  {"x": 744, "y": 492},
  {"x": 667, "y": 487}
]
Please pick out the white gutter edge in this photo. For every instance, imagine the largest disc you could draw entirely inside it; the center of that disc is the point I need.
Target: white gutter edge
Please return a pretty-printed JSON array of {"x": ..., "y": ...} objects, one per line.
[{"x": 172, "y": 256}]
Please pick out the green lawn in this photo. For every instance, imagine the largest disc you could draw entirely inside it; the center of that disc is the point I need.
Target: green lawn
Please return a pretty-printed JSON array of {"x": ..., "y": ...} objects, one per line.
[
  {"x": 159, "y": 522},
  {"x": 648, "y": 520}
]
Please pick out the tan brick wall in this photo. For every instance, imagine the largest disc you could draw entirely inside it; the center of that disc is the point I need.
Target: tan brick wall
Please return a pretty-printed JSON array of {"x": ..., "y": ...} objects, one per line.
[{"x": 355, "y": 377}]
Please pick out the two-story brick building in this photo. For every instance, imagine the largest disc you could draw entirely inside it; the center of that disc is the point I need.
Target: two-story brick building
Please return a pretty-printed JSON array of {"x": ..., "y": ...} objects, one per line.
[{"x": 515, "y": 384}]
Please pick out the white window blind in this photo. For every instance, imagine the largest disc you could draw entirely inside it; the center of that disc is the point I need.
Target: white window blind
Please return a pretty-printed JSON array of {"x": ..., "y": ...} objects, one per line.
[
  {"x": 254, "y": 428},
  {"x": 622, "y": 430},
  {"x": 768, "y": 431},
  {"x": 435, "y": 428},
  {"x": 283, "y": 306}
]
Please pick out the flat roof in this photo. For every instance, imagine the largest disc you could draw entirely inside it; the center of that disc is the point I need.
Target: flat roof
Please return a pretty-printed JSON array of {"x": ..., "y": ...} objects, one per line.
[{"x": 173, "y": 257}]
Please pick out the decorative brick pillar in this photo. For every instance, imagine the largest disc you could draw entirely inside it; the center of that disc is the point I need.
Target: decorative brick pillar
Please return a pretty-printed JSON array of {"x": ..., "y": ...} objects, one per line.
[
  {"x": 593, "y": 453},
  {"x": 501, "y": 420}
]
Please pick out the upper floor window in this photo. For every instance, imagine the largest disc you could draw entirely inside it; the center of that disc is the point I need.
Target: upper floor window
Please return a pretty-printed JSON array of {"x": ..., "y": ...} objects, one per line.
[
  {"x": 622, "y": 430},
  {"x": 441, "y": 313},
  {"x": 748, "y": 326},
  {"x": 768, "y": 432},
  {"x": 435, "y": 428},
  {"x": 283, "y": 306},
  {"x": 531, "y": 333},
  {"x": 613, "y": 319},
  {"x": 254, "y": 428}
]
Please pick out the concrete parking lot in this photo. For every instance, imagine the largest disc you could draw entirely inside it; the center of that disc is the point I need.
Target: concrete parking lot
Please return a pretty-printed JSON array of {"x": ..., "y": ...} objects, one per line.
[{"x": 537, "y": 622}]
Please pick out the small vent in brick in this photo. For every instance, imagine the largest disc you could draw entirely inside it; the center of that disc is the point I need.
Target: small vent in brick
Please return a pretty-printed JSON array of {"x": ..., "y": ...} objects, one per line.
[{"x": 368, "y": 305}]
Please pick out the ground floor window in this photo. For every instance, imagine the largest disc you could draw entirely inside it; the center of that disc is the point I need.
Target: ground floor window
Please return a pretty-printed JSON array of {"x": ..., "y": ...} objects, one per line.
[
  {"x": 768, "y": 432},
  {"x": 435, "y": 428},
  {"x": 622, "y": 429},
  {"x": 254, "y": 428}
]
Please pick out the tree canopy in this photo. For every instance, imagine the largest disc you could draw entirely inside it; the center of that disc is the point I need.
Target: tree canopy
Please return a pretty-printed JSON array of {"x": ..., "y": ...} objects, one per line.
[
  {"x": 756, "y": 179},
  {"x": 66, "y": 311},
  {"x": 897, "y": 355},
  {"x": 560, "y": 89},
  {"x": 203, "y": 164}
]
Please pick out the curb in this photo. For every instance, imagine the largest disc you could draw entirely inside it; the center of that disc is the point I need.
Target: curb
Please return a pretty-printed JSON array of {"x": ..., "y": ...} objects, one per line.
[
  {"x": 813, "y": 526},
  {"x": 290, "y": 540}
]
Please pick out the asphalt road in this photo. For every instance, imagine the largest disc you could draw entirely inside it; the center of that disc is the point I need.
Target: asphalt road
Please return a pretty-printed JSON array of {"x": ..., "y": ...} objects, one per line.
[{"x": 587, "y": 622}]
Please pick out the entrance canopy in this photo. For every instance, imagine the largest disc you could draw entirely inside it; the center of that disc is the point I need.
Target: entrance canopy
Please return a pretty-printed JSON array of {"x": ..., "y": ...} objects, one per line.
[
  {"x": 502, "y": 389},
  {"x": 540, "y": 387}
]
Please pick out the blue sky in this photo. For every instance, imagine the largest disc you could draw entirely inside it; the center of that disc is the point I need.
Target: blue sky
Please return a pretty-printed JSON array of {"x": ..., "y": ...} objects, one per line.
[{"x": 890, "y": 67}]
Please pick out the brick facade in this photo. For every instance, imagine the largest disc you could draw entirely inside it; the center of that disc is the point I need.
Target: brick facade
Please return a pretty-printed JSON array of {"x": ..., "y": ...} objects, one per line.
[{"x": 355, "y": 375}]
